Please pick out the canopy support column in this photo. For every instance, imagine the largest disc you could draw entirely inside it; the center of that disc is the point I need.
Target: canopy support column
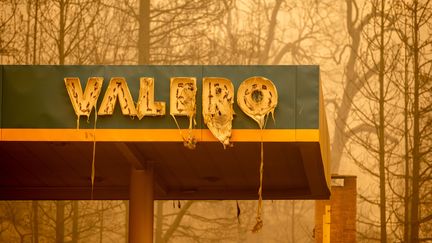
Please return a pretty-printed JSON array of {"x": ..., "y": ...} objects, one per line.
[{"x": 141, "y": 205}]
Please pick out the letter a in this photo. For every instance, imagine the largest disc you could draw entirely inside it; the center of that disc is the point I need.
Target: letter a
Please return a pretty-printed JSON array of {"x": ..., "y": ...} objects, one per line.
[{"x": 117, "y": 88}]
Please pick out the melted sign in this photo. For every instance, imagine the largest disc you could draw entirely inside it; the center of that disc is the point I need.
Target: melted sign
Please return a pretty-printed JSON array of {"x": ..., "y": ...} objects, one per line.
[{"x": 256, "y": 96}]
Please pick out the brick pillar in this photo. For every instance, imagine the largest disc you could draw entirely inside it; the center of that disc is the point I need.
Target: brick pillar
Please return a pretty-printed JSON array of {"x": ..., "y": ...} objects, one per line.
[{"x": 343, "y": 202}]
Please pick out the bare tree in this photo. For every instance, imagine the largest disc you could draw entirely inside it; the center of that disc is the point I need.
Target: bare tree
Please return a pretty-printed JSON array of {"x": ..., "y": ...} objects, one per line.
[
  {"x": 353, "y": 78},
  {"x": 254, "y": 32},
  {"x": 15, "y": 221},
  {"x": 371, "y": 116},
  {"x": 68, "y": 29},
  {"x": 416, "y": 40},
  {"x": 10, "y": 20},
  {"x": 400, "y": 100}
]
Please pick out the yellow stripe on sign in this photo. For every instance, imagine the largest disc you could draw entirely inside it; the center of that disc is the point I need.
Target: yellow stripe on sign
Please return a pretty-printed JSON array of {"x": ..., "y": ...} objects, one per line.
[{"x": 155, "y": 135}]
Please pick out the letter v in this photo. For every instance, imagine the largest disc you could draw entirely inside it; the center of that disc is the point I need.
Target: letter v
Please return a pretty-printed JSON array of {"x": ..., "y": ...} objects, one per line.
[{"x": 83, "y": 103}]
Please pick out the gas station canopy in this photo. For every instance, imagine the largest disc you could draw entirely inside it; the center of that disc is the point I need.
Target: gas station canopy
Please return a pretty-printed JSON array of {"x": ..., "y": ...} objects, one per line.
[{"x": 46, "y": 153}]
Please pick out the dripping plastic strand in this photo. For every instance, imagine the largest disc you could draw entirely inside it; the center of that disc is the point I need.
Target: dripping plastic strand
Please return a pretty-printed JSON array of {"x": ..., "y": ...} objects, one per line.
[
  {"x": 94, "y": 154},
  {"x": 180, "y": 131},
  {"x": 259, "y": 224},
  {"x": 189, "y": 142}
]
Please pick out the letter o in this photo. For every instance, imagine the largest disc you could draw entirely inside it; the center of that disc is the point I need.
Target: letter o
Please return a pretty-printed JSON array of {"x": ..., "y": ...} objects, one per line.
[{"x": 257, "y": 97}]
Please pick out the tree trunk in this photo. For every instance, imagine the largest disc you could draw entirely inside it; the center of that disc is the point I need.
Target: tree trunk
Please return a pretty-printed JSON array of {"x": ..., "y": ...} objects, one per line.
[
  {"x": 35, "y": 208},
  {"x": 265, "y": 54},
  {"x": 75, "y": 217},
  {"x": 61, "y": 41},
  {"x": 416, "y": 138},
  {"x": 173, "y": 227},
  {"x": 101, "y": 226},
  {"x": 407, "y": 195},
  {"x": 382, "y": 177},
  {"x": 144, "y": 32},
  {"x": 159, "y": 221},
  {"x": 352, "y": 86},
  {"x": 35, "y": 30},
  {"x": 293, "y": 222},
  {"x": 60, "y": 206},
  {"x": 27, "y": 36},
  {"x": 126, "y": 203}
]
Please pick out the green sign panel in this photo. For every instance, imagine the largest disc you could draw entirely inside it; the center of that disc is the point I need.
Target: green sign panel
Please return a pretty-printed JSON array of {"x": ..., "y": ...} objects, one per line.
[{"x": 37, "y": 97}]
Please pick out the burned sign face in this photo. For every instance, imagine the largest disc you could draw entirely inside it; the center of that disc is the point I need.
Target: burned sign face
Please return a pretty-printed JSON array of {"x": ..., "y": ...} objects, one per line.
[
  {"x": 83, "y": 103},
  {"x": 183, "y": 103},
  {"x": 218, "y": 99},
  {"x": 183, "y": 97},
  {"x": 146, "y": 106},
  {"x": 117, "y": 89},
  {"x": 257, "y": 97}
]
